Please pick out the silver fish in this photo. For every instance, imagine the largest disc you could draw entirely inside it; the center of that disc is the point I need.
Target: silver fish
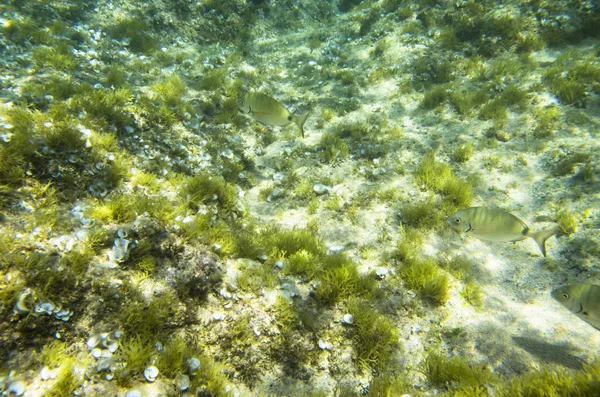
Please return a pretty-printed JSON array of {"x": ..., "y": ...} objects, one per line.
[
  {"x": 581, "y": 299},
  {"x": 268, "y": 111},
  {"x": 493, "y": 224}
]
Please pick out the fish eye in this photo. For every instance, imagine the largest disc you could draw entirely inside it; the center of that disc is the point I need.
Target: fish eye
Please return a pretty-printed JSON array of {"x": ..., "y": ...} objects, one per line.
[
  {"x": 457, "y": 220},
  {"x": 289, "y": 118},
  {"x": 566, "y": 296}
]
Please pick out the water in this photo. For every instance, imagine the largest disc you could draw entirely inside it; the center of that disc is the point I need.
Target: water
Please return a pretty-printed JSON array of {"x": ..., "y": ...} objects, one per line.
[{"x": 125, "y": 116}]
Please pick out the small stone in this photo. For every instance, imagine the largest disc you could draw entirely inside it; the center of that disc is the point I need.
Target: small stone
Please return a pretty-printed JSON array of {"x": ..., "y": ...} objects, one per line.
[{"x": 151, "y": 373}]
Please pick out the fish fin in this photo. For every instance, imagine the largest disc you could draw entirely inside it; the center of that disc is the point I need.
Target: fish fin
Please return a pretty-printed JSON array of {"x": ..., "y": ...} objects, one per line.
[
  {"x": 300, "y": 120},
  {"x": 541, "y": 236}
]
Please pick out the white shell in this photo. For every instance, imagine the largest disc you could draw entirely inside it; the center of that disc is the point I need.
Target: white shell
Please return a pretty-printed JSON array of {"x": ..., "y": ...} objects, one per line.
[
  {"x": 92, "y": 341},
  {"x": 320, "y": 189},
  {"x": 347, "y": 319},
  {"x": 96, "y": 352},
  {"x": 112, "y": 346},
  {"x": 45, "y": 307},
  {"x": 381, "y": 272},
  {"x": 20, "y": 304},
  {"x": 182, "y": 382},
  {"x": 17, "y": 388},
  {"x": 133, "y": 393},
  {"x": 224, "y": 293},
  {"x": 46, "y": 373},
  {"x": 193, "y": 364},
  {"x": 151, "y": 373},
  {"x": 218, "y": 316},
  {"x": 104, "y": 364},
  {"x": 324, "y": 345}
]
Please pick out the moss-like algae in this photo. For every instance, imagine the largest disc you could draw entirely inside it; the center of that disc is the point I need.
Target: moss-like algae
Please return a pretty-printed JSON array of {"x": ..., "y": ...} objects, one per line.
[{"x": 375, "y": 337}]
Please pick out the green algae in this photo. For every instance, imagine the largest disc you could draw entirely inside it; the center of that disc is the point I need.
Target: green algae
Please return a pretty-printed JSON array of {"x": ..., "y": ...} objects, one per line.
[
  {"x": 374, "y": 336},
  {"x": 455, "y": 371}
]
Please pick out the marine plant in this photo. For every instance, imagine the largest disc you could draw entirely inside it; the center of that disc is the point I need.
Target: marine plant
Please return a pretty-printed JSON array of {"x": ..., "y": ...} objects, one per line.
[
  {"x": 427, "y": 279},
  {"x": 59, "y": 57},
  {"x": 472, "y": 293},
  {"x": 567, "y": 223},
  {"x": 144, "y": 319},
  {"x": 171, "y": 360},
  {"x": 495, "y": 110},
  {"x": 422, "y": 214},
  {"x": 285, "y": 315},
  {"x": 205, "y": 188},
  {"x": 340, "y": 279},
  {"x": 439, "y": 177},
  {"x": 67, "y": 380},
  {"x": 302, "y": 263},
  {"x": 463, "y": 153},
  {"x": 374, "y": 336},
  {"x": 455, "y": 371},
  {"x": 135, "y": 33},
  {"x": 434, "y": 97},
  {"x": 136, "y": 352}
]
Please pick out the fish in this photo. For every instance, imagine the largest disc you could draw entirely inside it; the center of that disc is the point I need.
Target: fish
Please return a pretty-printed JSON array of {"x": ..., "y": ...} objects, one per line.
[
  {"x": 581, "y": 299},
  {"x": 268, "y": 111},
  {"x": 494, "y": 224}
]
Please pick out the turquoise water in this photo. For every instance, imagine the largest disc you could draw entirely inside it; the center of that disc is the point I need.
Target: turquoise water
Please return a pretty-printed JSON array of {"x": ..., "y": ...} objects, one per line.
[{"x": 157, "y": 241}]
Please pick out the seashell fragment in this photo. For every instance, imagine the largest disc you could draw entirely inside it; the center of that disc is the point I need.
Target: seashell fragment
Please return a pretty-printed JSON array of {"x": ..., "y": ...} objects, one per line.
[
  {"x": 21, "y": 303},
  {"x": 96, "y": 352},
  {"x": 347, "y": 319},
  {"x": 324, "y": 345},
  {"x": 151, "y": 373},
  {"x": 17, "y": 388},
  {"x": 320, "y": 189},
  {"x": 93, "y": 341},
  {"x": 224, "y": 293},
  {"x": 381, "y": 272},
  {"x": 193, "y": 364},
  {"x": 182, "y": 382},
  {"x": 133, "y": 393},
  {"x": 46, "y": 373},
  {"x": 218, "y": 316},
  {"x": 44, "y": 307}
]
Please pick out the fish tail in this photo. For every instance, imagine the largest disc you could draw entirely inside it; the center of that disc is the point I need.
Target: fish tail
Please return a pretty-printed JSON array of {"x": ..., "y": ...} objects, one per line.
[
  {"x": 300, "y": 120},
  {"x": 541, "y": 236}
]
